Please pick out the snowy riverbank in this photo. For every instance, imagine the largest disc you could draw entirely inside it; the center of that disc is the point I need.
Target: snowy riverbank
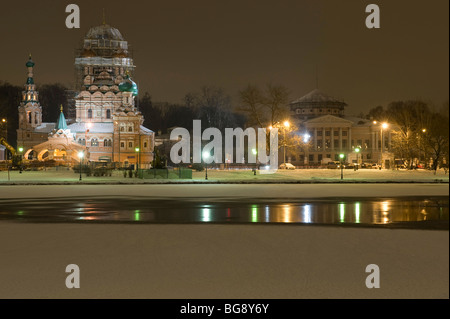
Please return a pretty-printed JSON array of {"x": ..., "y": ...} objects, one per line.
[{"x": 221, "y": 261}]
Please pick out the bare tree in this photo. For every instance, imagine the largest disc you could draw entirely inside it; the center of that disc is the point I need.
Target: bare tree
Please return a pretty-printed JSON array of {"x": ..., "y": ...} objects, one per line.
[
  {"x": 265, "y": 108},
  {"x": 436, "y": 139}
]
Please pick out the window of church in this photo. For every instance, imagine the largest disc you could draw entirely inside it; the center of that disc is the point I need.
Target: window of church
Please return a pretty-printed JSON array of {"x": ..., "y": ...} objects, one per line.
[
  {"x": 29, "y": 117},
  {"x": 122, "y": 144},
  {"x": 122, "y": 129},
  {"x": 130, "y": 144},
  {"x": 89, "y": 113},
  {"x": 336, "y": 133},
  {"x": 130, "y": 129},
  {"x": 108, "y": 114},
  {"x": 344, "y": 133},
  {"x": 145, "y": 144},
  {"x": 94, "y": 142}
]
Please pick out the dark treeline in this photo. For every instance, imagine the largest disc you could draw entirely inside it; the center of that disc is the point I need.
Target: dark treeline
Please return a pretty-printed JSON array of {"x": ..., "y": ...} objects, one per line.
[{"x": 420, "y": 131}]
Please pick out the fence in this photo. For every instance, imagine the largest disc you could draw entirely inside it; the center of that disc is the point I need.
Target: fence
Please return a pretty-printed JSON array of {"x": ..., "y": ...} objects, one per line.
[{"x": 176, "y": 173}]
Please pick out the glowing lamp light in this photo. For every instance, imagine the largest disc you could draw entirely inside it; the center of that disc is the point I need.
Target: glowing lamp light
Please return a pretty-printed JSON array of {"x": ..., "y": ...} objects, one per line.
[
  {"x": 205, "y": 155},
  {"x": 20, "y": 149},
  {"x": 254, "y": 152},
  {"x": 306, "y": 138},
  {"x": 384, "y": 125},
  {"x": 80, "y": 155},
  {"x": 287, "y": 124},
  {"x": 341, "y": 155},
  {"x": 3, "y": 120},
  {"x": 357, "y": 150},
  {"x": 137, "y": 149}
]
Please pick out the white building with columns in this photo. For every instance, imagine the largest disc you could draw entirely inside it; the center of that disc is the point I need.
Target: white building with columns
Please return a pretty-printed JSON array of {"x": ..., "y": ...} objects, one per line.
[{"x": 325, "y": 132}]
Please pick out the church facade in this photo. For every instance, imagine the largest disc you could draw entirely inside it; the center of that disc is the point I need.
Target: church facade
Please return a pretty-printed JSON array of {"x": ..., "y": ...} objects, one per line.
[{"x": 108, "y": 125}]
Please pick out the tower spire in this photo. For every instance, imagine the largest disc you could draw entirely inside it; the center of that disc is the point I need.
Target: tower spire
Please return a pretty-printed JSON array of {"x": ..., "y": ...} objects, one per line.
[{"x": 104, "y": 18}]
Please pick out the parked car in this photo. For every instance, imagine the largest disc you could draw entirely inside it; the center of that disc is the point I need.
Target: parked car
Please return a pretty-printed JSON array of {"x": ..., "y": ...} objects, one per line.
[
  {"x": 287, "y": 166},
  {"x": 349, "y": 166},
  {"x": 334, "y": 165}
]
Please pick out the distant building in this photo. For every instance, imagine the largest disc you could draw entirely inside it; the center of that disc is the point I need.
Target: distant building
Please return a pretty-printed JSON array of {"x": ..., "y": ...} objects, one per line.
[
  {"x": 107, "y": 123},
  {"x": 325, "y": 132}
]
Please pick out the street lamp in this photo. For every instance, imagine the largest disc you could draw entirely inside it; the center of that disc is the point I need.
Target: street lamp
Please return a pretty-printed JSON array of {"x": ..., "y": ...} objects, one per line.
[
  {"x": 286, "y": 126},
  {"x": 21, "y": 159},
  {"x": 357, "y": 150},
  {"x": 341, "y": 156},
  {"x": 137, "y": 149},
  {"x": 5, "y": 128},
  {"x": 205, "y": 158},
  {"x": 383, "y": 127},
  {"x": 254, "y": 153},
  {"x": 80, "y": 156}
]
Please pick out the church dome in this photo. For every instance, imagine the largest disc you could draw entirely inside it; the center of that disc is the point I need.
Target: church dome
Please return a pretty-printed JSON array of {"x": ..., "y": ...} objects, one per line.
[
  {"x": 104, "y": 31},
  {"x": 128, "y": 85}
]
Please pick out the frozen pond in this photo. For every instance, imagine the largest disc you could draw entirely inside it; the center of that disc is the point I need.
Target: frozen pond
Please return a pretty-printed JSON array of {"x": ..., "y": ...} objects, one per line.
[{"x": 413, "y": 212}]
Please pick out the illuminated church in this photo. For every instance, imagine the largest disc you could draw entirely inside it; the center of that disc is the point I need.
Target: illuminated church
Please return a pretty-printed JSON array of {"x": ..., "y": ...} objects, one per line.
[{"x": 107, "y": 125}]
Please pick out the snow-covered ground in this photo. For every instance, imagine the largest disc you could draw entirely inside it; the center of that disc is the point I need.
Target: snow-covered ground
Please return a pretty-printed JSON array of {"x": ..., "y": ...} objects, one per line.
[
  {"x": 205, "y": 192},
  {"x": 312, "y": 175},
  {"x": 221, "y": 261}
]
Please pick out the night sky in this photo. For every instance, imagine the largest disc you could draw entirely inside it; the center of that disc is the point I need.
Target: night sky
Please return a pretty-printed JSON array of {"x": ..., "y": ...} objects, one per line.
[{"x": 179, "y": 46}]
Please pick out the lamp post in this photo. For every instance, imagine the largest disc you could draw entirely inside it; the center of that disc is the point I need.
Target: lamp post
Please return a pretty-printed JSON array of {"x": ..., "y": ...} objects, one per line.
[
  {"x": 80, "y": 156},
  {"x": 5, "y": 127},
  {"x": 341, "y": 156},
  {"x": 383, "y": 126},
  {"x": 255, "y": 152},
  {"x": 286, "y": 126},
  {"x": 205, "y": 158},
  {"x": 138, "y": 158},
  {"x": 21, "y": 159},
  {"x": 357, "y": 150}
]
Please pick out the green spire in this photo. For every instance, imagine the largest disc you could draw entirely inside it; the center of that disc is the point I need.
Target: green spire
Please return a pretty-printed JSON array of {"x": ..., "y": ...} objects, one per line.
[{"x": 62, "y": 124}]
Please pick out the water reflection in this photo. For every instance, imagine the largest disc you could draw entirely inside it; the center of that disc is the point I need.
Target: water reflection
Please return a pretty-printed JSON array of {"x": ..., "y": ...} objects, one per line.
[{"x": 380, "y": 212}]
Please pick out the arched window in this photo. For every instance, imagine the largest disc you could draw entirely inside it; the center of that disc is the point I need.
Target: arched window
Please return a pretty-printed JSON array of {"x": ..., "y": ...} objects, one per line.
[
  {"x": 94, "y": 142},
  {"x": 89, "y": 113},
  {"x": 108, "y": 114},
  {"x": 107, "y": 143},
  {"x": 145, "y": 144},
  {"x": 130, "y": 129},
  {"x": 81, "y": 141},
  {"x": 29, "y": 117}
]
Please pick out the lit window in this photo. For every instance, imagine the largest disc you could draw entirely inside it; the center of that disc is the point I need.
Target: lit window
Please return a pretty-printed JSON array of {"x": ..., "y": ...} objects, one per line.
[{"x": 94, "y": 142}]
